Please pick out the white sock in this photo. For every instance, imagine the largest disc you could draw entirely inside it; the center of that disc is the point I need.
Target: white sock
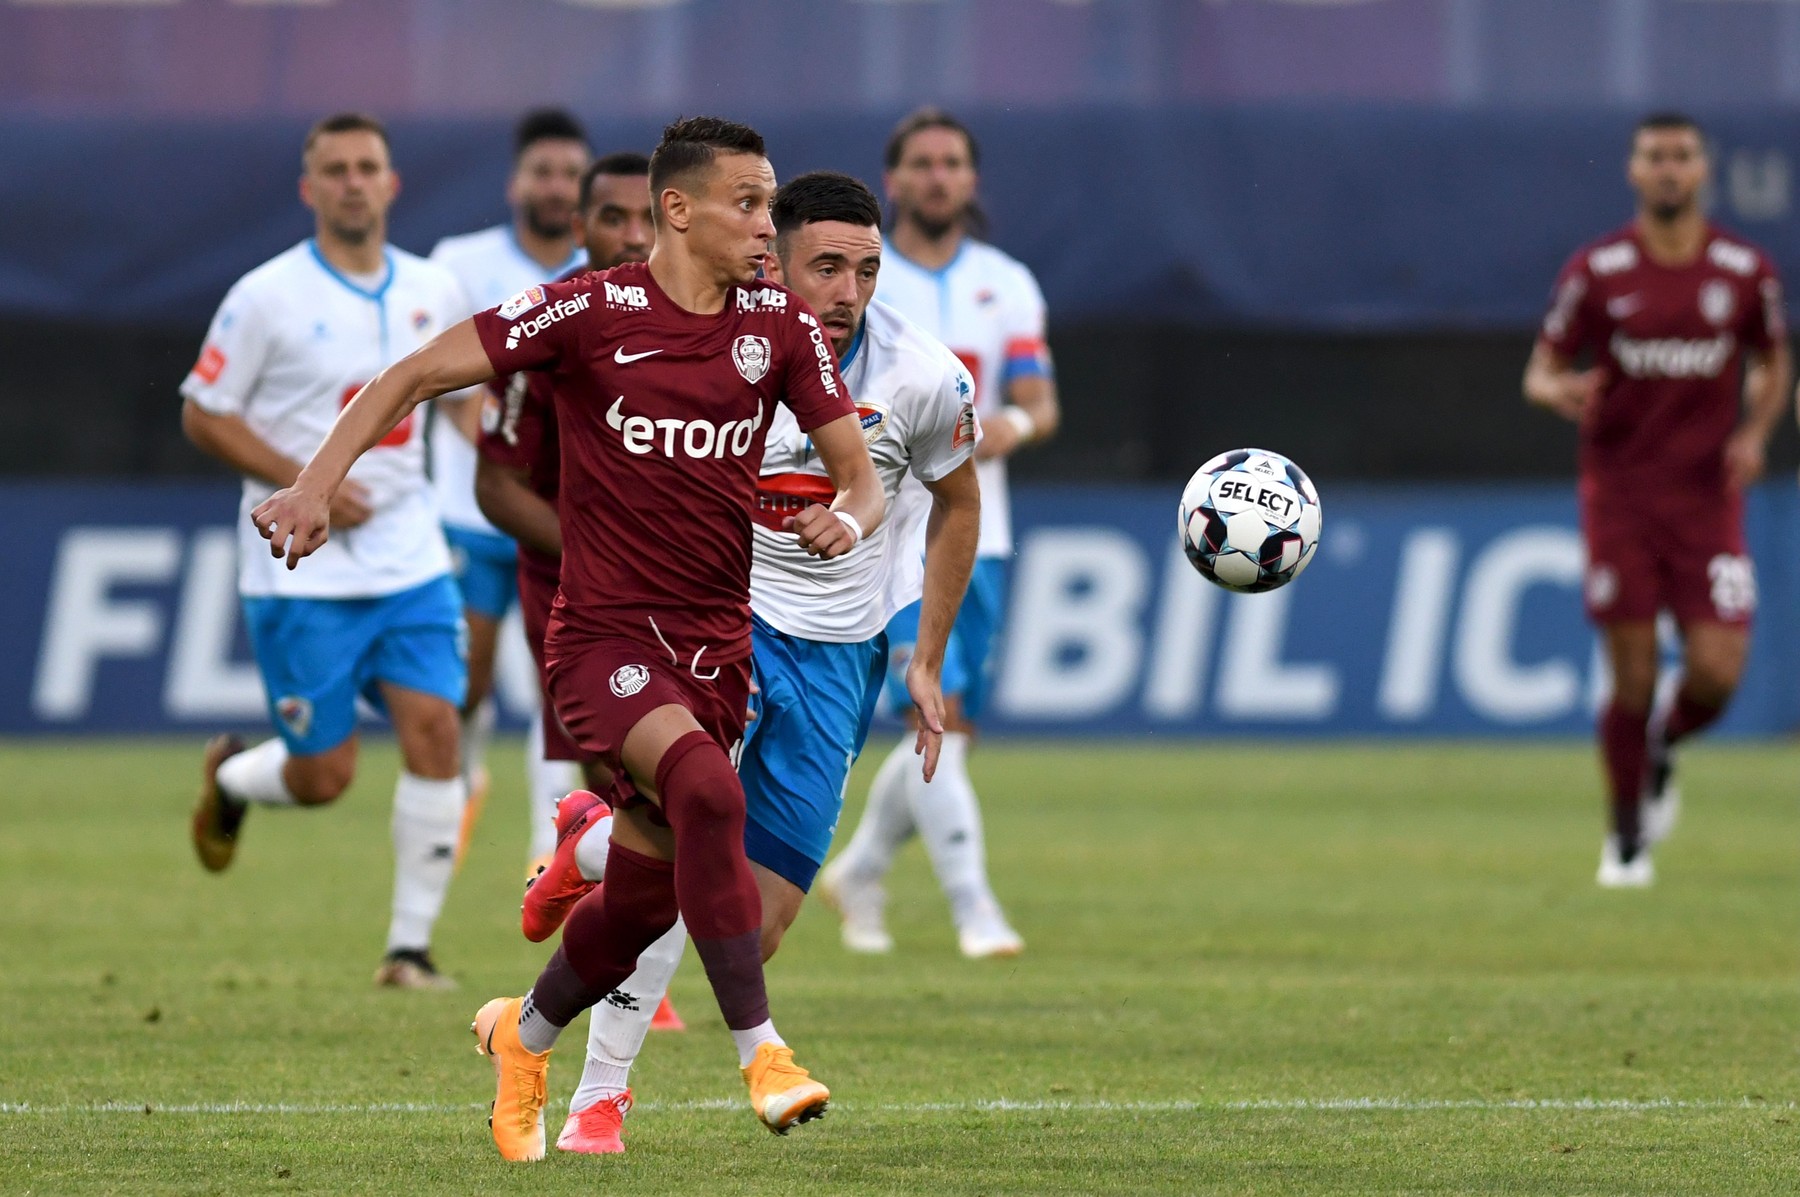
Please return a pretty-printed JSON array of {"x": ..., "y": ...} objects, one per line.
[
  {"x": 949, "y": 820},
  {"x": 616, "y": 1030},
  {"x": 427, "y": 817},
  {"x": 477, "y": 730},
  {"x": 536, "y": 1033},
  {"x": 254, "y": 775},
  {"x": 591, "y": 850},
  {"x": 545, "y": 784},
  {"x": 748, "y": 1041},
  {"x": 887, "y": 820}
]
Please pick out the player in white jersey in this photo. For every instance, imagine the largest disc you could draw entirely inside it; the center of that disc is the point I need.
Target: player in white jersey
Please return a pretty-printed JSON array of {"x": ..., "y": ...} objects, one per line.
[
  {"x": 379, "y": 617},
  {"x": 987, "y": 308},
  {"x": 550, "y": 152},
  {"x": 819, "y": 645}
]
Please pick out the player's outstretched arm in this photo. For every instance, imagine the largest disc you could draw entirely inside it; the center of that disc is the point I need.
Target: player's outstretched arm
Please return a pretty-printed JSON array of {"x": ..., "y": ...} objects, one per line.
[
  {"x": 824, "y": 532},
  {"x": 296, "y": 520},
  {"x": 951, "y": 535},
  {"x": 229, "y": 438},
  {"x": 505, "y": 496},
  {"x": 1553, "y": 383}
]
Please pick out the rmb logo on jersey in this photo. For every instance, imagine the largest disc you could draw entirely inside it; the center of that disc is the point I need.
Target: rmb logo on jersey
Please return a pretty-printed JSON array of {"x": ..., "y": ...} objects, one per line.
[
  {"x": 521, "y": 303},
  {"x": 626, "y": 297},
  {"x": 762, "y": 298},
  {"x": 1717, "y": 302},
  {"x": 629, "y": 679},
  {"x": 295, "y": 713},
  {"x": 752, "y": 356}
]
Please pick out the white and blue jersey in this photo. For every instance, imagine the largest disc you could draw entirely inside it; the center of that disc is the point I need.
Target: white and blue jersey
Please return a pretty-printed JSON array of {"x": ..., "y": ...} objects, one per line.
[
  {"x": 819, "y": 651},
  {"x": 492, "y": 267},
  {"x": 987, "y": 308},
  {"x": 292, "y": 343}
]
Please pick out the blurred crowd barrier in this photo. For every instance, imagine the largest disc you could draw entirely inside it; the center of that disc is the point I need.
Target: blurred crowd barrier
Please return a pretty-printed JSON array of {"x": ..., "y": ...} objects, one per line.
[{"x": 1429, "y": 611}]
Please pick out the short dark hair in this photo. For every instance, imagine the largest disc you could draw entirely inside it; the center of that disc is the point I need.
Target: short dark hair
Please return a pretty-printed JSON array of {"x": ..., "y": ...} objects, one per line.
[
  {"x": 344, "y": 122},
  {"x": 545, "y": 124},
  {"x": 823, "y": 195},
  {"x": 918, "y": 121},
  {"x": 1665, "y": 121},
  {"x": 626, "y": 163},
  {"x": 691, "y": 142}
]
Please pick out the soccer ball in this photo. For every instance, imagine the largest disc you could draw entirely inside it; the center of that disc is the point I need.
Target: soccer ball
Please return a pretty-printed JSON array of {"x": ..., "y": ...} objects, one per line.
[{"x": 1250, "y": 520}]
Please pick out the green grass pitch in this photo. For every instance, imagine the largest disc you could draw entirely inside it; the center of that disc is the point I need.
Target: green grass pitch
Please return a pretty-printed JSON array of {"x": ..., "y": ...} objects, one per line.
[{"x": 1252, "y": 969}]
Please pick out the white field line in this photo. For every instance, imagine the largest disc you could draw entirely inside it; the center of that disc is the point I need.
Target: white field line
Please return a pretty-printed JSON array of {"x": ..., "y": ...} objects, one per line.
[{"x": 994, "y": 1106}]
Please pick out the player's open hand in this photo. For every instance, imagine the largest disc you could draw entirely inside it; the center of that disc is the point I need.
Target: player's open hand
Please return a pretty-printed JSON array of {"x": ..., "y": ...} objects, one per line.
[
  {"x": 295, "y": 522},
  {"x": 926, "y": 689},
  {"x": 821, "y": 532},
  {"x": 350, "y": 505},
  {"x": 1745, "y": 457}
]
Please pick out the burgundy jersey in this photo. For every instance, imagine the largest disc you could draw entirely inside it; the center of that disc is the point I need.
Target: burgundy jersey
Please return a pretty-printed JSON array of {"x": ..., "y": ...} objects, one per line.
[
  {"x": 662, "y": 415},
  {"x": 1671, "y": 341}
]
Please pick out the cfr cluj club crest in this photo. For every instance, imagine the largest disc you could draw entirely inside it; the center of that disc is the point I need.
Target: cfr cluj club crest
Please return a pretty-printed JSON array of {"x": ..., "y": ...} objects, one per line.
[{"x": 752, "y": 357}]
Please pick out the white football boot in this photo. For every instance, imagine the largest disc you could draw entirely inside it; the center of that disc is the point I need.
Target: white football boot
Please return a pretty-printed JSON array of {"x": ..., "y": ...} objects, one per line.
[
  {"x": 1614, "y": 873},
  {"x": 862, "y": 907}
]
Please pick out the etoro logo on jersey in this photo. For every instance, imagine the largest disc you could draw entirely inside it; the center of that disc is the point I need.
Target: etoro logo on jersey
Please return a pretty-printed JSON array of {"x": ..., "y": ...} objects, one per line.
[{"x": 689, "y": 438}]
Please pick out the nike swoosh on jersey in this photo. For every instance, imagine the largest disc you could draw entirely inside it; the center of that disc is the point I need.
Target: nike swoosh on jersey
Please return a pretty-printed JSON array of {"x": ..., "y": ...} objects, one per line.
[{"x": 623, "y": 358}]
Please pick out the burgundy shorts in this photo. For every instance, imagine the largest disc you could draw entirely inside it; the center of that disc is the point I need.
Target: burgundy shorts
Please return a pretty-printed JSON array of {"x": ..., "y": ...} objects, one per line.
[
  {"x": 604, "y": 688},
  {"x": 537, "y": 590},
  {"x": 1687, "y": 557}
]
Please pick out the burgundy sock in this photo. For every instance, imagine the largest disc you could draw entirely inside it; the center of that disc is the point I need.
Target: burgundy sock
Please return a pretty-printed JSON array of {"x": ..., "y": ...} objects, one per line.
[
  {"x": 1622, "y": 749},
  {"x": 605, "y": 934},
  {"x": 1688, "y": 716},
  {"x": 704, "y": 802}
]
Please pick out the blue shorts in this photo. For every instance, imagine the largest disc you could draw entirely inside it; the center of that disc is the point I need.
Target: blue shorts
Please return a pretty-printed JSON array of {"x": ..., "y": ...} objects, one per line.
[
  {"x": 487, "y": 570},
  {"x": 318, "y": 655},
  {"x": 967, "y": 663},
  {"x": 811, "y": 720}
]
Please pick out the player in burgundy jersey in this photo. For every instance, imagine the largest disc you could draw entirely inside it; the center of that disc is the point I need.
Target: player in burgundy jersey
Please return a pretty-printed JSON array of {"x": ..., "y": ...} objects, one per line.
[
  {"x": 1687, "y": 375},
  {"x": 666, "y": 374}
]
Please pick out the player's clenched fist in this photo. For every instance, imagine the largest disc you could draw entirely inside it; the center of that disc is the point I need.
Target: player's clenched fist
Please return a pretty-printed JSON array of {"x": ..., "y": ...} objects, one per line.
[
  {"x": 295, "y": 522},
  {"x": 825, "y": 533}
]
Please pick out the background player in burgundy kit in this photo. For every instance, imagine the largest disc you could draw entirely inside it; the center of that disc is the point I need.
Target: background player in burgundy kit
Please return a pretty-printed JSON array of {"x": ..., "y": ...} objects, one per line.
[
  {"x": 1684, "y": 325},
  {"x": 665, "y": 377}
]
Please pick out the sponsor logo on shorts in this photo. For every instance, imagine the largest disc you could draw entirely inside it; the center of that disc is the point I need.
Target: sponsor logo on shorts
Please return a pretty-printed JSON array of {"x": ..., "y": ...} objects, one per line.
[
  {"x": 1733, "y": 579},
  {"x": 1601, "y": 586},
  {"x": 751, "y": 354},
  {"x": 295, "y": 713},
  {"x": 628, "y": 680}
]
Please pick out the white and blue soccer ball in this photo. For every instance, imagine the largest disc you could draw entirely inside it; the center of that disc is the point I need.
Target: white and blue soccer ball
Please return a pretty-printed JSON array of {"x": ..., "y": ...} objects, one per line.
[{"x": 1250, "y": 520}]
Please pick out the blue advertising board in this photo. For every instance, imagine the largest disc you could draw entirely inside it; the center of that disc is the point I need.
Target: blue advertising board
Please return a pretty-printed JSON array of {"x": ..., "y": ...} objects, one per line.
[{"x": 1429, "y": 611}]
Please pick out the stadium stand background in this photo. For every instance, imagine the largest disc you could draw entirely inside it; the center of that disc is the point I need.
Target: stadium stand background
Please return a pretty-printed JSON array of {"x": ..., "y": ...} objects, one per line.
[{"x": 1325, "y": 227}]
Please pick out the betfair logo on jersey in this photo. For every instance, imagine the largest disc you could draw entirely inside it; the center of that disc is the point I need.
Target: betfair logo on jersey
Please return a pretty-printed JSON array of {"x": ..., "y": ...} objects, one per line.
[
  {"x": 689, "y": 438},
  {"x": 557, "y": 311},
  {"x": 626, "y": 297},
  {"x": 763, "y": 298},
  {"x": 827, "y": 371},
  {"x": 1671, "y": 357}
]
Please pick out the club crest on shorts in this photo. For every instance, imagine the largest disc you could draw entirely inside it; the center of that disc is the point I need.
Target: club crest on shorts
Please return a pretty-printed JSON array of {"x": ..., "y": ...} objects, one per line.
[
  {"x": 752, "y": 357},
  {"x": 295, "y": 713},
  {"x": 629, "y": 679},
  {"x": 1602, "y": 586},
  {"x": 1717, "y": 303}
]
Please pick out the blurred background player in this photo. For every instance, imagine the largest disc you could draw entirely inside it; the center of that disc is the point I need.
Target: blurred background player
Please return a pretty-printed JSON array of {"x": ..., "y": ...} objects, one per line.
[
  {"x": 820, "y": 651},
  {"x": 517, "y": 480},
  {"x": 377, "y": 613},
  {"x": 550, "y": 152},
  {"x": 649, "y": 640},
  {"x": 987, "y": 308},
  {"x": 1684, "y": 326}
]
